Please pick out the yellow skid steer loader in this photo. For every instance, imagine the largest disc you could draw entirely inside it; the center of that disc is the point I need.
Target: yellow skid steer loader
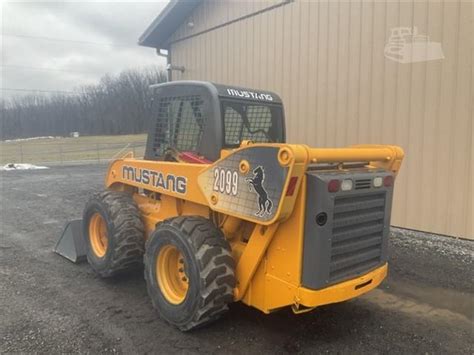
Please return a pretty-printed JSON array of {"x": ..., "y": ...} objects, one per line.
[{"x": 221, "y": 210}]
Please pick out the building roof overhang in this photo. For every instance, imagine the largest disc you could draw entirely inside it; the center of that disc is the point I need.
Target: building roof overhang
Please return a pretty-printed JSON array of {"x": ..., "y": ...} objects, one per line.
[{"x": 167, "y": 22}]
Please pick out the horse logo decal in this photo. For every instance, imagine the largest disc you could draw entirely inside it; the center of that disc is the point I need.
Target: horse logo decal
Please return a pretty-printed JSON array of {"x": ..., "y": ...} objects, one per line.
[{"x": 264, "y": 203}]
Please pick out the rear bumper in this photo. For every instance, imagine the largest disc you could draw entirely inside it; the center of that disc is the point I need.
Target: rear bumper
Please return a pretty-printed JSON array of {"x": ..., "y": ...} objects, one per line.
[{"x": 342, "y": 291}]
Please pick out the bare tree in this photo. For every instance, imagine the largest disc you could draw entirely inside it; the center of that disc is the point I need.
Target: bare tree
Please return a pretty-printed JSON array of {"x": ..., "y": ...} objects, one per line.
[{"x": 116, "y": 105}]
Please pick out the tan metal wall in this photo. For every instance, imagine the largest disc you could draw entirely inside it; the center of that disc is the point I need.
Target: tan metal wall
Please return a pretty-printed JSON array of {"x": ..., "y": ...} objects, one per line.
[{"x": 327, "y": 61}]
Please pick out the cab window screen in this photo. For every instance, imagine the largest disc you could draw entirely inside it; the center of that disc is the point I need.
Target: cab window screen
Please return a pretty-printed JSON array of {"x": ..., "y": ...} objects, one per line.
[
  {"x": 179, "y": 124},
  {"x": 250, "y": 121}
]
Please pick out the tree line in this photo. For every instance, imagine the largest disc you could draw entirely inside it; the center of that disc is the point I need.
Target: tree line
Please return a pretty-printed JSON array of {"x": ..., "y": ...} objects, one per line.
[{"x": 116, "y": 105}]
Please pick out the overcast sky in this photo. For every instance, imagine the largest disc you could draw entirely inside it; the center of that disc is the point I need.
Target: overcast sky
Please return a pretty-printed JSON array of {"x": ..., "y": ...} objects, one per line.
[{"x": 63, "y": 44}]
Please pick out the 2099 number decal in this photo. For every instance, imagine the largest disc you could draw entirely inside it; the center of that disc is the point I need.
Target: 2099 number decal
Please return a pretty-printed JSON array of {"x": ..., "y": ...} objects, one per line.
[{"x": 226, "y": 181}]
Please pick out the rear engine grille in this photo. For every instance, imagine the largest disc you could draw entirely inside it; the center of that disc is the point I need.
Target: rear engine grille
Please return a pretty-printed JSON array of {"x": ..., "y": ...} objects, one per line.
[
  {"x": 363, "y": 184},
  {"x": 357, "y": 234}
]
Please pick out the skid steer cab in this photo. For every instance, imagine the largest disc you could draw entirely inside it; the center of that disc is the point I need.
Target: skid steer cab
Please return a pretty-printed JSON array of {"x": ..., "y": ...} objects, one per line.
[{"x": 221, "y": 210}]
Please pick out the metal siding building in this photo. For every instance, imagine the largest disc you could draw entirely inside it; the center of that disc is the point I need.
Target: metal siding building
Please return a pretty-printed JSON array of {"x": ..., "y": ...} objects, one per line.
[{"x": 326, "y": 60}]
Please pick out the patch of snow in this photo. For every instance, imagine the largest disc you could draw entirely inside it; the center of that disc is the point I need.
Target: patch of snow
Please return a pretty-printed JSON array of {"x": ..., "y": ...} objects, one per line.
[
  {"x": 27, "y": 139},
  {"x": 13, "y": 166},
  {"x": 449, "y": 247}
]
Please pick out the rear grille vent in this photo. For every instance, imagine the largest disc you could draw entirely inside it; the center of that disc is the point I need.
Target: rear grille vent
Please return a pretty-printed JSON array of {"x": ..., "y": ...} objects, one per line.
[
  {"x": 357, "y": 234},
  {"x": 363, "y": 184}
]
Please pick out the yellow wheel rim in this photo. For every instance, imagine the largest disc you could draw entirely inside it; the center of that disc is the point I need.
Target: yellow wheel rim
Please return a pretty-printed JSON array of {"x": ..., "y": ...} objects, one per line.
[
  {"x": 170, "y": 274},
  {"x": 98, "y": 235}
]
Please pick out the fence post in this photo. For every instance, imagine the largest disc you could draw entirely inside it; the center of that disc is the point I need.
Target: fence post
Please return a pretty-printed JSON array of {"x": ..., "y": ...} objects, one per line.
[
  {"x": 98, "y": 152},
  {"x": 60, "y": 154},
  {"x": 21, "y": 153}
]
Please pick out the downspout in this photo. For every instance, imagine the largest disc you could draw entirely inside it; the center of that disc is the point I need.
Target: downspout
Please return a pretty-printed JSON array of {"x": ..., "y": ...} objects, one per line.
[
  {"x": 160, "y": 52},
  {"x": 169, "y": 66}
]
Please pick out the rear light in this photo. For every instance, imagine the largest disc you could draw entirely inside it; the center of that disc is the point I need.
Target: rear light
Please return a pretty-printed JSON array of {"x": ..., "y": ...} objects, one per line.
[
  {"x": 388, "y": 181},
  {"x": 346, "y": 185},
  {"x": 334, "y": 185},
  {"x": 378, "y": 181},
  {"x": 291, "y": 186}
]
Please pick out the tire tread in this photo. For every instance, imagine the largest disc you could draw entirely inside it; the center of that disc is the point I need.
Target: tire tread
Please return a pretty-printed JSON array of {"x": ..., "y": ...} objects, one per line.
[
  {"x": 129, "y": 232},
  {"x": 216, "y": 268}
]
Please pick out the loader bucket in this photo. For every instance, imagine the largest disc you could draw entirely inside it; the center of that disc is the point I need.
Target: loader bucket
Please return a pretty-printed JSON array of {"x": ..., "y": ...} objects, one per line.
[{"x": 71, "y": 244}]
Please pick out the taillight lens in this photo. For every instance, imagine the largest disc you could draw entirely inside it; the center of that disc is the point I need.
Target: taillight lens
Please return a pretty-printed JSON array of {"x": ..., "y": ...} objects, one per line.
[
  {"x": 333, "y": 185},
  {"x": 388, "y": 181}
]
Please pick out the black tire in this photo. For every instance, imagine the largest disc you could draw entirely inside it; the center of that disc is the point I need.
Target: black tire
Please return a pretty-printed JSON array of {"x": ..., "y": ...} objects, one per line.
[
  {"x": 208, "y": 265},
  {"x": 125, "y": 233}
]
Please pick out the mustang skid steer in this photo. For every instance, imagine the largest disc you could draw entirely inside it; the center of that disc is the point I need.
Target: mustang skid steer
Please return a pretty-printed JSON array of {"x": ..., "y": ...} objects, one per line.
[{"x": 221, "y": 210}]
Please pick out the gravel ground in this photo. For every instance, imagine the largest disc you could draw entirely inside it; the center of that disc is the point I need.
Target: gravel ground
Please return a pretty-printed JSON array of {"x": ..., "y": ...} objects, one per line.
[{"x": 48, "y": 304}]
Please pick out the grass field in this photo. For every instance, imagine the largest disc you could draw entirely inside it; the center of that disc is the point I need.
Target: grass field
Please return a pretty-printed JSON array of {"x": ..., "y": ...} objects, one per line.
[{"x": 61, "y": 150}]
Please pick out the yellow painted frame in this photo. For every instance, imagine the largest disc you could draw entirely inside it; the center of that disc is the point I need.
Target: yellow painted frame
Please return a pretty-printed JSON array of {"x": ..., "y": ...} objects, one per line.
[{"x": 268, "y": 266}]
